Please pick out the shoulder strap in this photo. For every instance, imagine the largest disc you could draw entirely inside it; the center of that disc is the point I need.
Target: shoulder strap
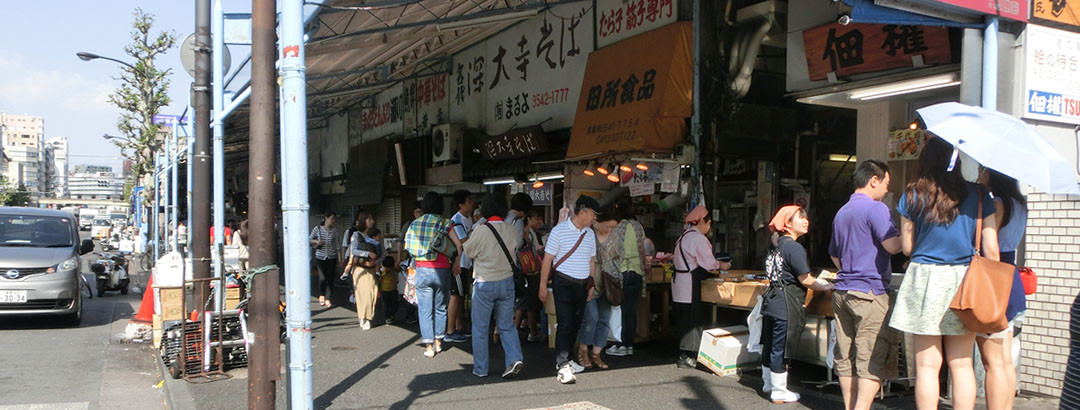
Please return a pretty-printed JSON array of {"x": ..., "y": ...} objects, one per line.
[
  {"x": 686, "y": 263},
  {"x": 572, "y": 250},
  {"x": 978, "y": 223},
  {"x": 501, "y": 244}
]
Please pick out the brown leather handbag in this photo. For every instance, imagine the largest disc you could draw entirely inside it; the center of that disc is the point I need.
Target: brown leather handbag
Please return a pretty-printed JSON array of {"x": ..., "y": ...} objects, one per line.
[{"x": 984, "y": 294}]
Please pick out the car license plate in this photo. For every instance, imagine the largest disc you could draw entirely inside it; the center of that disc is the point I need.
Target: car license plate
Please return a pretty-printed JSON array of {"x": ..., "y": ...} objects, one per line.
[{"x": 12, "y": 296}]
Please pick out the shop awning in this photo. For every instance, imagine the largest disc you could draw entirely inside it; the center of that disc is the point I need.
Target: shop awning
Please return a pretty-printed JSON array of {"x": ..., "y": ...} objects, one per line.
[
  {"x": 636, "y": 94},
  {"x": 367, "y": 172}
]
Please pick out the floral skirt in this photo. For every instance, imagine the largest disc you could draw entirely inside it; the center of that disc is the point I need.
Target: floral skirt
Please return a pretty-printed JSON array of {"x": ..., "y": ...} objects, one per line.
[{"x": 922, "y": 305}]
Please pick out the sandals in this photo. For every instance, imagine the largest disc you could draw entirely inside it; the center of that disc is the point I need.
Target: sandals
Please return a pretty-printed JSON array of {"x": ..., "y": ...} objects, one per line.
[
  {"x": 599, "y": 362},
  {"x": 583, "y": 357},
  {"x": 323, "y": 301}
]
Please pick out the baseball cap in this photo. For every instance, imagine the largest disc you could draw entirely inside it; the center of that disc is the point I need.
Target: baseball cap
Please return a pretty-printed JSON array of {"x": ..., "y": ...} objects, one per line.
[{"x": 585, "y": 201}]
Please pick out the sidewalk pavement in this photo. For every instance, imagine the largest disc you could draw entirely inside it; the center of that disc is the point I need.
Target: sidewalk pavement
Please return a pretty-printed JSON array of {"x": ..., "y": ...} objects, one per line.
[{"x": 384, "y": 368}]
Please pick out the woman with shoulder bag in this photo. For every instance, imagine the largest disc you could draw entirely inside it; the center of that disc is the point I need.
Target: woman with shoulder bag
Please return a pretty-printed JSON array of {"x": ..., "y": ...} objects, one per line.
[
  {"x": 694, "y": 261},
  {"x": 629, "y": 236},
  {"x": 782, "y": 304},
  {"x": 434, "y": 246},
  {"x": 363, "y": 265},
  {"x": 995, "y": 349},
  {"x": 939, "y": 213},
  {"x": 594, "y": 323}
]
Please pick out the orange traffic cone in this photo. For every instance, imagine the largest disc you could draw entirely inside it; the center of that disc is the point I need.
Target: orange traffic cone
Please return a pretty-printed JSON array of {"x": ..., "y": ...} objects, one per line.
[{"x": 146, "y": 308}]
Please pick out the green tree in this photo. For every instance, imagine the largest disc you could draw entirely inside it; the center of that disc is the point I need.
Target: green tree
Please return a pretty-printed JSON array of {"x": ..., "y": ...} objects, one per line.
[
  {"x": 143, "y": 93},
  {"x": 11, "y": 195}
]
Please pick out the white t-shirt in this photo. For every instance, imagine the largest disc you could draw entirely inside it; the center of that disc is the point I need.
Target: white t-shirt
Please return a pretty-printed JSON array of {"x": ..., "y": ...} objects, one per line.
[
  {"x": 562, "y": 239},
  {"x": 463, "y": 225}
]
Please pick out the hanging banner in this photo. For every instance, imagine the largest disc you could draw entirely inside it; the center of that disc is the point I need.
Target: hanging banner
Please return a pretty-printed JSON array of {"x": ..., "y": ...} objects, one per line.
[
  {"x": 863, "y": 48},
  {"x": 1062, "y": 12},
  {"x": 1051, "y": 75},
  {"x": 385, "y": 118},
  {"x": 528, "y": 74},
  {"x": 620, "y": 19},
  {"x": 636, "y": 100}
]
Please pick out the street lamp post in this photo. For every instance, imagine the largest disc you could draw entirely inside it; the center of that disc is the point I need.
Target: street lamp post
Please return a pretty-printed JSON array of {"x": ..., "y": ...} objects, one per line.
[{"x": 84, "y": 56}]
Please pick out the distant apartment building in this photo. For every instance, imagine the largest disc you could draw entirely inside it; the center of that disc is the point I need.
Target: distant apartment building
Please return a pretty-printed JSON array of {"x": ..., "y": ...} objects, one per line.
[
  {"x": 95, "y": 182},
  {"x": 56, "y": 150},
  {"x": 22, "y": 138}
]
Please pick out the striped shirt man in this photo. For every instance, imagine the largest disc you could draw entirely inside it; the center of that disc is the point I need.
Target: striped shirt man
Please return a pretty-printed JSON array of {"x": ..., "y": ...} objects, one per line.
[{"x": 562, "y": 240}]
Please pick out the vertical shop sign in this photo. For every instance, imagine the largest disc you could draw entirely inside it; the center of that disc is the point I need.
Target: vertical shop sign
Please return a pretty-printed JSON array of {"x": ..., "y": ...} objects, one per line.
[
  {"x": 385, "y": 118},
  {"x": 862, "y": 48},
  {"x": 1051, "y": 75},
  {"x": 620, "y": 19},
  {"x": 528, "y": 74},
  {"x": 426, "y": 103},
  {"x": 1062, "y": 12},
  {"x": 356, "y": 136}
]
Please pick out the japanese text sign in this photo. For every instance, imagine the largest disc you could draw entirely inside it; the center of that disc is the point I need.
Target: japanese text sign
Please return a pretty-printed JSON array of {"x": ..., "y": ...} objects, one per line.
[
  {"x": 426, "y": 103},
  {"x": 528, "y": 74},
  {"x": 1057, "y": 11},
  {"x": 385, "y": 118},
  {"x": 620, "y": 19},
  {"x": 540, "y": 196},
  {"x": 864, "y": 48},
  {"x": 513, "y": 144},
  {"x": 633, "y": 99},
  {"x": 1010, "y": 9},
  {"x": 1051, "y": 75}
]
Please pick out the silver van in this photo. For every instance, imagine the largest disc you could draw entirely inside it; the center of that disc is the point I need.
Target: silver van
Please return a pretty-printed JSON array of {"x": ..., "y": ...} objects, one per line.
[{"x": 40, "y": 269}]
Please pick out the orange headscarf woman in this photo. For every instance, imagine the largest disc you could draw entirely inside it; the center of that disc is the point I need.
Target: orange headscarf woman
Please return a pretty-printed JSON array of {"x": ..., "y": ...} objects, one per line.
[{"x": 782, "y": 305}]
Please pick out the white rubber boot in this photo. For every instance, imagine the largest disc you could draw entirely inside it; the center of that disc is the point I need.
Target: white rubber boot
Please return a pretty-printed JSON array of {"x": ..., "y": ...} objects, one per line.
[
  {"x": 766, "y": 376},
  {"x": 780, "y": 393}
]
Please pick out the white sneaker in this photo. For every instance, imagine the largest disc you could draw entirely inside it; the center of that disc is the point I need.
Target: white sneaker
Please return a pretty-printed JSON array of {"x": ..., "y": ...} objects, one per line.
[
  {"x": 365, "y": 324},
  {"x": 577, "y": 368},
  {"x": 616, "y": 350},
  {"x": 566, "y": 375},
  {"x": 766, "y": 377}
]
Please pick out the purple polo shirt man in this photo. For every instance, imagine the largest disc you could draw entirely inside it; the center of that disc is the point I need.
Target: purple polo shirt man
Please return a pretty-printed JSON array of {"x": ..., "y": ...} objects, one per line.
[
  {"x": 859, "y": 229},
  {"x": 863, "y": 240}
]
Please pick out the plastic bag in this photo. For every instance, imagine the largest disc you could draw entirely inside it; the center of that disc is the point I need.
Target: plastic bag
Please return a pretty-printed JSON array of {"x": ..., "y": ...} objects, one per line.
[
  {"x": 754, "y": 322},
  {"x": 410, "y": 287}
]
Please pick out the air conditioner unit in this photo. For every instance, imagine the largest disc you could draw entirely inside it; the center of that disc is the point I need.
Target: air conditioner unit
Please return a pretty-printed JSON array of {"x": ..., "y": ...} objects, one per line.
[{"x": 445, "y": 142}]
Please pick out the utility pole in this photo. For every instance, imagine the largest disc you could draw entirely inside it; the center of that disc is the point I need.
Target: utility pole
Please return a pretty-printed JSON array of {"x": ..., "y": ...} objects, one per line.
[
  {"x": 262, "y": 207},
  {"x": 295, "y": 203},
  {"x": 200, "y": 192}
]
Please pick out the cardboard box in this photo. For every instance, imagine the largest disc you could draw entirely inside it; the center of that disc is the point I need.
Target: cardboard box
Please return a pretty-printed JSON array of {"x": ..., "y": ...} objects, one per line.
[
  {"x": 171, "y": 303},
  {"x": 736, "y": 294},
  {"x": 232, "y": 298},
  {"x": 157, "y": 331},
  {"x": 655, "y": 274},
  {"x": 549, "y": 303},
  {"x": 723, "y": 350},
  {"x": 819, "y": 303}
]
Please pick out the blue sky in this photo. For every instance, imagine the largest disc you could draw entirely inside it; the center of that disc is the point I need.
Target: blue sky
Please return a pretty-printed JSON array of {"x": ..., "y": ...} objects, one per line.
[{"x": 40, "y": 75}]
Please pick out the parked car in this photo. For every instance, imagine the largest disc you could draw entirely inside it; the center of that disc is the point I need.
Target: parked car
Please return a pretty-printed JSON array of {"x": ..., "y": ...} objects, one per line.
[{"x": 40, "y": 263}]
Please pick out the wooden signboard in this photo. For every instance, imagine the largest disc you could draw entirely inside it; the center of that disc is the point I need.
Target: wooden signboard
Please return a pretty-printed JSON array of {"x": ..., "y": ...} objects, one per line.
[
  {"x": 1065, "y": 13},
  {"x": 864, "y": 48},
  {"x": 515, "y": 143}
]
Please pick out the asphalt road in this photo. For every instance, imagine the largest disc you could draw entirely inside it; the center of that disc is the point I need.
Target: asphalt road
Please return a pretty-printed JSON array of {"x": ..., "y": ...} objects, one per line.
[{"x": 49, "y": 365}]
